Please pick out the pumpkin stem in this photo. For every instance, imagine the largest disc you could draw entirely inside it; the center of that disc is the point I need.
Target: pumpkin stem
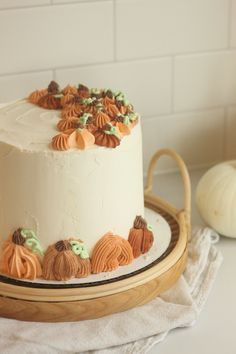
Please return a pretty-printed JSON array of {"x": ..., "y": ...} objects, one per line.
[
  {"x": 17, "y": 238},
  {"x": 140, "y": 222},
  {"x": 62, "y": 246}
]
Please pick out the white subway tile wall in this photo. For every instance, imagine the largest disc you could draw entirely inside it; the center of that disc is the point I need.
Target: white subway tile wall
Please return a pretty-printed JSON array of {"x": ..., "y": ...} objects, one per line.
[{"x": 175, "y": 59}]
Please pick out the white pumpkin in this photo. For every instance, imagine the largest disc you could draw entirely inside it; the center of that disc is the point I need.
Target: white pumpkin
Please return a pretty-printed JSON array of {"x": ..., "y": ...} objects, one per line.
[{"x": 216, "y": 198}]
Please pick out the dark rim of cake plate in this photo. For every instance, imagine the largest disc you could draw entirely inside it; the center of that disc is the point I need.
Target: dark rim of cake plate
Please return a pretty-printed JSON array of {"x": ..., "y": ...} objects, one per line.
[{"x": 174, "y": 226}]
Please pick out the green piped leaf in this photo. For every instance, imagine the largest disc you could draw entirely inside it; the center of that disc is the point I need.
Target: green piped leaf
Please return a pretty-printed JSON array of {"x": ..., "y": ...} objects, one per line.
[
  {"x": 79, "y": 249},
  {"x": 32, "y": 241},
  {"x": 83, "y": 119}
]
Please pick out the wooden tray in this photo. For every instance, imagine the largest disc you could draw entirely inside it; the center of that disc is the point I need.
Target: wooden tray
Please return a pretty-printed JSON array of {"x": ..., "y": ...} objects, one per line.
[{"x": 23, "y": 301}]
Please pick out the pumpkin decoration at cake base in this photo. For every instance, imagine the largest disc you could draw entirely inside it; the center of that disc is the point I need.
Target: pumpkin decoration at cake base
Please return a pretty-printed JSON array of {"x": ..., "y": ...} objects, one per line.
[
  {"x": 216, "y": 198},
  {"x": 21, "y": 255},
  {"x": 66, "y": 259},
  {"x": 110, "y": 252},
  {"x": 140, "y": 237}
]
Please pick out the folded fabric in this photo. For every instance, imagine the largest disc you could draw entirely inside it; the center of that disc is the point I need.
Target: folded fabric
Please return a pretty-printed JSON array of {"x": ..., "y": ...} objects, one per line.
[{"x": 133, "y": 331}]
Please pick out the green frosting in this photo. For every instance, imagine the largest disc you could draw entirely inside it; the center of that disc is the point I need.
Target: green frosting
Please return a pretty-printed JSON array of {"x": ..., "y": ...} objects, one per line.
[
  {"x": 79, "y": 249},
  {"x": 32, "y": 241},
  {"x": 132, "y": 116},
  {"x": 88, "y": 101},
  {"x": 95, "y": 90},
  {"x": 99, "y": 106},
  {"x": 149, "y": 227},
  {"x": 83, "y": 119},
  {"x": 112, "y": 131},
  {"x": 126, "y": 120}
]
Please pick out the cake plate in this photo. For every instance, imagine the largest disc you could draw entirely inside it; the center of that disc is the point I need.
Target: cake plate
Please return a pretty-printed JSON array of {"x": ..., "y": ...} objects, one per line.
[{"x": 31, "y": 302}]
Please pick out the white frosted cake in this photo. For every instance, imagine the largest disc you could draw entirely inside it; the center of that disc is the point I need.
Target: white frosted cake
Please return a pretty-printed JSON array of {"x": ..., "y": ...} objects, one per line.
[{"x": 71, "y": 184}]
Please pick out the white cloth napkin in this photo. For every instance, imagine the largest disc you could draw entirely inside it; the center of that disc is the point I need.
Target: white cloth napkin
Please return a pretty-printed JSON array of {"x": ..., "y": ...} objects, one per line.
[{"x": 131, "y": 332}]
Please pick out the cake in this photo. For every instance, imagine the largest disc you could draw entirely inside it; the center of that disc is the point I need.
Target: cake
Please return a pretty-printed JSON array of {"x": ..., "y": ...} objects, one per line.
[{"x": 71, "y": 184}]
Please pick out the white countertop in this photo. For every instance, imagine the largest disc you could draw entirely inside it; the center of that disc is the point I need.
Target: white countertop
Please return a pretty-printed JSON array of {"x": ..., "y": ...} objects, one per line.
[{"x": 215, "y": 329}]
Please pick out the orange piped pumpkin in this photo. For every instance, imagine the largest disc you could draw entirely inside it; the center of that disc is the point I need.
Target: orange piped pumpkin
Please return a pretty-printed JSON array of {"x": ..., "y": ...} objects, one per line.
[
  {"x": 60, "y": 142},
  {"x": 35, "y": 96},
  {"x": 110, "y": 252},
  {"x": 84, "y": 138},
  {"x": 19, "y": 261},
  {"x": 140, "y": 237}
]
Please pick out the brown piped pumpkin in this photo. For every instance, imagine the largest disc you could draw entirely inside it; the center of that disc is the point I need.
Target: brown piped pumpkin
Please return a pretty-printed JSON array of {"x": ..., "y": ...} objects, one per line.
[
  {"x": 140, "y": 237},
  {"x": 60, "y": 262}
]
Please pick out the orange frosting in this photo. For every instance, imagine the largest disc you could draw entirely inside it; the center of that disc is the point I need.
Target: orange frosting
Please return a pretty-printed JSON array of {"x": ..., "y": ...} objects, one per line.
[
  {"x": 104, "y": 139},
  {"x": 84, "y": 138},
  {"x": 20, "y": 262},
  {"x": 123, "y": 128},
  {"x": 140, "y": 237},
  {"x": 112, "y": 110},
  {"x": 72, "y": 110},
  {"x": 110, "y": 252},
  {"x": 107, "y": 101},
  {"x": 101, "y": 119},
  {"x": 50, "y": 102},
  {"x": 36, "y": 95},
  {"x": 135, "y": 239},
  {"x": 84, "y": 268},
  {"x": 71, "y": 90},
  {"x": 60, "y": 142},
  {"x": 60, "y": 262},
  {"x": 65, "y": 124},
  {"x": 104, "y": 107},
  {"x": 67, "y": 99}
]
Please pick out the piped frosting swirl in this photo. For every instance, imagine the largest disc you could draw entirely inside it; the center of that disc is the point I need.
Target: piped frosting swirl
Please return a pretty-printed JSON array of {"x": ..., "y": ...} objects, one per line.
[{"x": 103, "y": 106}]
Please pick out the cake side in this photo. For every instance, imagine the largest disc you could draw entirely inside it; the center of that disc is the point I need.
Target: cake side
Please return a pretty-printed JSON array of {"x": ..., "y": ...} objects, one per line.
[
  {"x": 75, "y": 204},
  {"x": 72, "y": 193}
]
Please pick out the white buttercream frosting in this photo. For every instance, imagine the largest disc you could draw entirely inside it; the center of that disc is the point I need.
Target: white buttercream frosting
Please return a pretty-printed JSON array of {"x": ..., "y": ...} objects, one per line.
[{"x": 62, "y": 194}]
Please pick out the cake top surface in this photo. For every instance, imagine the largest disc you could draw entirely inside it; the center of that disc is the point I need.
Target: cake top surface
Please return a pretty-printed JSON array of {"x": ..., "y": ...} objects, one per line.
[{"x": 74, "y": 118}]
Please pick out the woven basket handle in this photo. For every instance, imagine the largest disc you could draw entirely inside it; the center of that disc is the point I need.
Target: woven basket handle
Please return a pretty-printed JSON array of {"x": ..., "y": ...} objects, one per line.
[{"x": 185, "y": 177}]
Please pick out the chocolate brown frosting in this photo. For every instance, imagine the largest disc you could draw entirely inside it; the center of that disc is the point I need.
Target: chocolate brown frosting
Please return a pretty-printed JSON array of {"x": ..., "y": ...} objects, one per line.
[
  {"x": 103, "y": 139},
  {"x": 109, "y": 94},
  {"x": 140, "y": 222},
  {"x": 53, "y": 87},
  {"x": 17, "y": 238},
  {"x": 62, "y": 246}
]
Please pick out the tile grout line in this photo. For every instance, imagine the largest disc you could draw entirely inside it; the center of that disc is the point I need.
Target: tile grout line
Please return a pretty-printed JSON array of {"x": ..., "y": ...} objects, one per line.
[
  {"x": 184, "y": 112},
  {"x": 50, "y": 4},
  {"x": 125, "y": 61}
]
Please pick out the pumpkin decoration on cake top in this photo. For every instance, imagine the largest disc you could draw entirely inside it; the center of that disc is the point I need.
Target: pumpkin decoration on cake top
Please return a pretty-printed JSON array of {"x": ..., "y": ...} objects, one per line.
[{"x": 106, "y": 115}]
